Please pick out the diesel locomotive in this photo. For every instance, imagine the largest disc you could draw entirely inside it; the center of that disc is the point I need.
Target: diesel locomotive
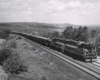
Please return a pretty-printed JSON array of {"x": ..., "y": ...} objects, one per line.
[{"x": 85, "y": 50}]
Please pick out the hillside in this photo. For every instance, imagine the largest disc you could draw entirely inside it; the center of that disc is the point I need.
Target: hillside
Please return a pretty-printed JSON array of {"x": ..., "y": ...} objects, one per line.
[
  {"x": 35, "y": 25},
  {"x": 40, "y": 27}
]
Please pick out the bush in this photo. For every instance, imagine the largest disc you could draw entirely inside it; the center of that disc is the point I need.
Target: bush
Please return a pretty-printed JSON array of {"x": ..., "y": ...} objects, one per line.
[
  {"x": 4, "y": 34},
  {"x": 4, "y": 54},
  {"x": 14, "y": 64},
  {"x": 9, "y": 44},
  {"x": 13, "y": 44}
]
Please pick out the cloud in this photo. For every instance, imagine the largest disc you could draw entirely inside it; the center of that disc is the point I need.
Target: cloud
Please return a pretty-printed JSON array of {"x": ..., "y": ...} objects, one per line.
[
  {"x": 74, "y": 4},
  {"x": 74, "y": 8},
  {"x": 51, "y": 10}
]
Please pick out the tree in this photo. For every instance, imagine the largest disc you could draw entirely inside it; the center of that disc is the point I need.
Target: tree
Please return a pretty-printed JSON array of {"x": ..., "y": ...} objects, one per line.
[
  {"x": 81, "y": 34},
  {"x": 78, "y": 33},
  {"x": 93, "y": 33},
  {"x": 4, "y": 54},
  {"x": 85, "y": 34},
  {"x": 55, "y": 34},
  {"x": 67, "y": 33},
  {"x": 4, "y": 34},
  {"x": 74, "y": 33}
]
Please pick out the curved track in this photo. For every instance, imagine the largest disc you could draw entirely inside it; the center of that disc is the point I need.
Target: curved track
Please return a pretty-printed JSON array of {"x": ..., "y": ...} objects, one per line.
[{"x": 72, "y": 62}]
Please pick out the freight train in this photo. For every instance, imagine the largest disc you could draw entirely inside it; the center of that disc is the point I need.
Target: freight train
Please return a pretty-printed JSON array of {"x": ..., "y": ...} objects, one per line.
[{"x": 85, "y": 50}]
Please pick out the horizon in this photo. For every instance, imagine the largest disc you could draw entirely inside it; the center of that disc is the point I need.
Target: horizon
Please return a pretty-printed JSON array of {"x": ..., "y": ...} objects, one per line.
[
  {"x": 54, "y": 23},
  {"x": 77, "y": 12}
]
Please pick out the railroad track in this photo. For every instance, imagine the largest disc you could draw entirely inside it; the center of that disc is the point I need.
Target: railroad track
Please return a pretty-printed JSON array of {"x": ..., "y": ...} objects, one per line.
[
  {"x": 97, "y": 63},
  {"x": 70, "y": 61}
]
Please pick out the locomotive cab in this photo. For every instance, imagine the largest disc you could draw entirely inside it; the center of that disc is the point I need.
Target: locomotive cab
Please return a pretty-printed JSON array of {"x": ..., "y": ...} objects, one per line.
[{"x": 89, "y": 52}]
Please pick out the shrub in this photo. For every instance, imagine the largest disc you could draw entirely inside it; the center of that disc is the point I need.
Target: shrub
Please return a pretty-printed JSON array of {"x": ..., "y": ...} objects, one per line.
[
  {"x": 13, "y": 44},
  {"x": 43, "y": 78},
  {"x": 14, "y": 64},
  {"x": 4, "y": 54},
  {"x": 9, "y": 44},
  {"x": 4, "y": 34}
]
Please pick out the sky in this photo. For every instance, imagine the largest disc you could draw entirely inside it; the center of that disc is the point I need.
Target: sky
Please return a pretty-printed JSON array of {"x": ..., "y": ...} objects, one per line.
[{"x": 79, "y": 12}]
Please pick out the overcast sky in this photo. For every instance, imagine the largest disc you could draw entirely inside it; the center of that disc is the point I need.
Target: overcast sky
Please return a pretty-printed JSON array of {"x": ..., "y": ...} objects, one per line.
[{"x": 51, "y": 11}]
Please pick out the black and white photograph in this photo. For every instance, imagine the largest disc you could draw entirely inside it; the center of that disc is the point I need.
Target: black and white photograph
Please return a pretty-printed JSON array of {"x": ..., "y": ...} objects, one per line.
[{"x": 49, "y": 39}]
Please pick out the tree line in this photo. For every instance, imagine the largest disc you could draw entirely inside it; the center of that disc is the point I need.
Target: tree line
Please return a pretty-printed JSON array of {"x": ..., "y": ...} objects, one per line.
[{"x": 78, "y": 34}]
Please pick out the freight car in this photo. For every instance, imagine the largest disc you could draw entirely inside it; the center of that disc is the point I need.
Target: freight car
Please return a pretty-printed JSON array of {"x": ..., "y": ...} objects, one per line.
[
  {"x": 82, "y": 49},
  {"x": 38, "y": 39}
]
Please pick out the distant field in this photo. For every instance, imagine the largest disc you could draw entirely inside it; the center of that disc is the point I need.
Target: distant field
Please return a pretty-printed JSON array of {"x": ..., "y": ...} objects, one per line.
[{"x": 30, "y": 27}]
